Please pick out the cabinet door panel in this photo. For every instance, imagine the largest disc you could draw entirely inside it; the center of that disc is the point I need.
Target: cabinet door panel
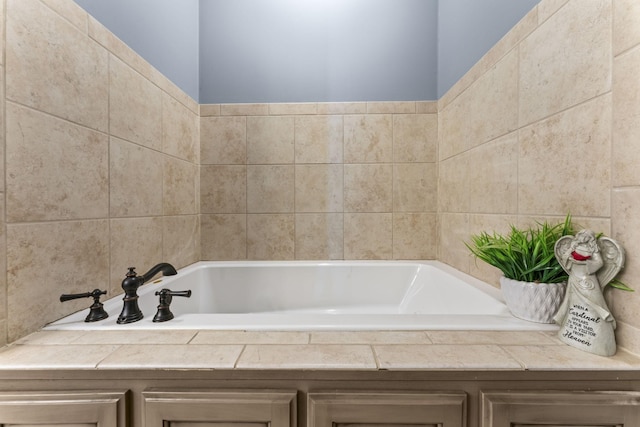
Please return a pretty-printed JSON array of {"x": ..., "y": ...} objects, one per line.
[
  {"x": 383, "y": 425},
  {"x": 49, "y": 425},
  {"x": 62, "y": 409},
  {"x": 561, "y": 409},
  {"x": 205, "y": 424},
  {"x": 565, "y": 425},
  {"x": 362, "y": 409},
  {"x": 222, "y": 408}
]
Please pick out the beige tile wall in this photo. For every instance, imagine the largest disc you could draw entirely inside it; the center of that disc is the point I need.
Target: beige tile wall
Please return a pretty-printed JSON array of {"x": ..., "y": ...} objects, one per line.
[
  {"x": 313, "y": 181},
  {"x": 3, "y": 228},
  {"x": 102, "y": 158},
  {"x": 108, "y": 164},
  {"x": 548, "y": 122},
  {"x": 625, "y": 195}
]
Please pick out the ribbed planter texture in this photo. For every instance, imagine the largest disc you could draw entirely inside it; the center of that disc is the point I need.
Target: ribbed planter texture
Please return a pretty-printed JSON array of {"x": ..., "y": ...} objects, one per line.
[{"x": 535, "y": 302}]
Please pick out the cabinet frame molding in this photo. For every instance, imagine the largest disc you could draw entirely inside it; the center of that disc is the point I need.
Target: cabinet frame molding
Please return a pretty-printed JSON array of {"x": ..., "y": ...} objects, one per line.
[
  {"x": 102, "y": 408},
  {"x": 274, "y": 408},
  {"x": 444, "y": 409},
  {"x": 544, "y": 408}
]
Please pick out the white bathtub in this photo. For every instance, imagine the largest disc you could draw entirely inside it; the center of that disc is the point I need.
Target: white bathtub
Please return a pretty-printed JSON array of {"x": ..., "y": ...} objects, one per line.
[{"x": 311, "y": 296}]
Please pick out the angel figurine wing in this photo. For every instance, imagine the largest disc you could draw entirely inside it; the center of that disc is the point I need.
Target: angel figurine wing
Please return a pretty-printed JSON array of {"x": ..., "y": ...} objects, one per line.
[
  {"x": 562, "y": 252},
  {"x": 613, "y": 257}
]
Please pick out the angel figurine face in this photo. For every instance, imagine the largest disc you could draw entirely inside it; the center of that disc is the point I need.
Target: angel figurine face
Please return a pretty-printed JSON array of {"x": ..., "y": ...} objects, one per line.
[{"x": 584, "y": 245}]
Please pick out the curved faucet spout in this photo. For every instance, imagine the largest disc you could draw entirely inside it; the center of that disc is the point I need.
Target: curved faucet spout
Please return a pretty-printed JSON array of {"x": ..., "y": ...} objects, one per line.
[
  {"x": 130, "y": 310},
  {"x": 164, "y": 267}
]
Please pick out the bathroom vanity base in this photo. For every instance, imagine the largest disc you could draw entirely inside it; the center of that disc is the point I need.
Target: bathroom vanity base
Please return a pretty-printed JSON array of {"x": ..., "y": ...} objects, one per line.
[{"x": 319, "y": 398}]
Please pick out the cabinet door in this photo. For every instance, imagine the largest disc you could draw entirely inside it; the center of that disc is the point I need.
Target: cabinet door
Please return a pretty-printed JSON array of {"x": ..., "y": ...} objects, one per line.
[
  {"x": 560, "y": 409},
  {"x": 62, "y": 409},
  {"x": 224, "y": 408},
  {"x": 368, "y": 409}
]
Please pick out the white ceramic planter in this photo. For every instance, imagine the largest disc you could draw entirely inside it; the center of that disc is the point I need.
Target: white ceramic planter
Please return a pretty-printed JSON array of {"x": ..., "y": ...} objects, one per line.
[{"x": 535, "y": 302}]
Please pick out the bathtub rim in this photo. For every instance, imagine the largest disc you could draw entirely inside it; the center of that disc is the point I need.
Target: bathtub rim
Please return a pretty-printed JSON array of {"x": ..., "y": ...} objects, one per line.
[{"x": 313, "y": 322}]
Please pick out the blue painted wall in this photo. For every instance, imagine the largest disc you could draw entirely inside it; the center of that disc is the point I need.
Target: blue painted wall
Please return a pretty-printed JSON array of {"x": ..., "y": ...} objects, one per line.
[
  {"x": 467, "y": 29},
  {"x": 317, "y": 50},
  {"x": 163, "y": 32},
  {"x": 242, "y": 51}
]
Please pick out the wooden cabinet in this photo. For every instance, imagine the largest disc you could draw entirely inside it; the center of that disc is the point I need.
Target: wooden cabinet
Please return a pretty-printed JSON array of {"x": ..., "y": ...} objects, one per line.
[
  {"x": 560, "y": 409},
  {"x": 319, "y": 399},
  {"x": 368, "y": 409},
  {"x": 64, "y": 408},
  {"x": 224, "y": 408}
]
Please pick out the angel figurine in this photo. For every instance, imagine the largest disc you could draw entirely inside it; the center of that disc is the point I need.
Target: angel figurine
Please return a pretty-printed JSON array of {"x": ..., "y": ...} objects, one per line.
[{"x": 584, "y": 318}]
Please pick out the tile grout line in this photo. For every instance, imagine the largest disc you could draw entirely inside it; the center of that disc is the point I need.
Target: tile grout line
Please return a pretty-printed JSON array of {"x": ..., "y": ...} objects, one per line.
[
  {"x": 376, "y": 358},
  {"x": 244, "y": 347},
  {"x": 522, "y": 364}
]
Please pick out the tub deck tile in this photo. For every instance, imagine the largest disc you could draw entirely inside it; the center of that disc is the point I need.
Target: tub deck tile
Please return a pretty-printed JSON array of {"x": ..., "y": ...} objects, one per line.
[
  {"x": 308, "y": 356},
  {"x": 250, "y": 337},
  {"x": 493, "y": 337},
  {"x": 370, "y": 337},
  {"x": 476, "y": 357},
  {"x": 319, "y": 350},
  {"x": 565, "y": 357},
  {"x": 137, "y": 337},
  {"x": 51, "y": 338},
  {"x": 172, "y": 357},
  {"x": 54, "y": 356}
]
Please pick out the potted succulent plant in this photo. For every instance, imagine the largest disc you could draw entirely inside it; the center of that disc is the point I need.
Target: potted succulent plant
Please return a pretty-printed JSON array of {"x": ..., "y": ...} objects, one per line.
[{"x": 533, "y": 282}]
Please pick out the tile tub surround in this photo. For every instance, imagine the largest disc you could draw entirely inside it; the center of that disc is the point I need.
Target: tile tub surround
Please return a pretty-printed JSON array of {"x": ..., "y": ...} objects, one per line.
[
  {"x": 546, "y": 123},
  {"x": 192, "y": 365},
  {"x": 308, "y": 181},
  {"x": 359, "y": 351},
  {"x": 102, "y": 156},
  {"x": 439, "y": 171}
]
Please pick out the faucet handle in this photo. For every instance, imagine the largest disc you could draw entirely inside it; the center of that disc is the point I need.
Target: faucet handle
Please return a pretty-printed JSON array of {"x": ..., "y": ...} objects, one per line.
[
  {"x": 96, "y": 311},
  {"x": 166, "y": 295},
  {"x": 95, "y": 294}
]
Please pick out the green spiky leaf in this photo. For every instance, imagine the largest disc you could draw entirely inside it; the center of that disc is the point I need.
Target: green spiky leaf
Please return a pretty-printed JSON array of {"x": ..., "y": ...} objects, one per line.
[{"x": 528, "y": 254}]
